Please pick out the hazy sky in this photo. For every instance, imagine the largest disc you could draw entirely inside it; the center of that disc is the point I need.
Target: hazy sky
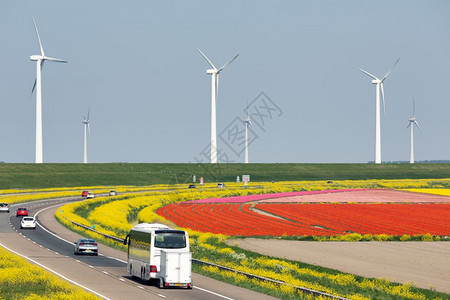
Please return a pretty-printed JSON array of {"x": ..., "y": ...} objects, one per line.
[{"x": 136, "y": 64}]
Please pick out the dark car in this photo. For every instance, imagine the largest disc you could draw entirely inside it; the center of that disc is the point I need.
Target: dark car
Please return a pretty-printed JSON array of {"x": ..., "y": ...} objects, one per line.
[
  {"x": 21, "y": 211},
  {"x": 85, "y": 246},
  {"x": 192, "y": 186},
  {"x": 220, "y": 185}
]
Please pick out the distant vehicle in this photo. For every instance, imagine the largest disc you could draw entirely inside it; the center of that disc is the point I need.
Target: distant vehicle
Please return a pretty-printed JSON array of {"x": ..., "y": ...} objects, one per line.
[
  {"x": 4, "y": 207},
  {"x": 112, "y": 193},
  {"x": 156, "y": 252},
  {"x": 21, "y": 211},
  {"x": 84, "y": 193},
  {"x": 220, "y": 185},
  {"x": 28, "y": 222},
  {"x": 192, "y": 186},
  {"x": 85, "y": 246},
  {"x": 90, "y": 196}
]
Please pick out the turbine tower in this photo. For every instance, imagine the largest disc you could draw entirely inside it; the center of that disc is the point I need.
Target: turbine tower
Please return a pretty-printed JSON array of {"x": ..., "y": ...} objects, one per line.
[
  {"x": 412, "y": 122},
  {"x": 379, "y": 86},
  {"x": 214, "y": 95},
  {"x": 247, "y": 122},
  {"x": 86, "y": 128},
  {"x": 40, "y": 59}
]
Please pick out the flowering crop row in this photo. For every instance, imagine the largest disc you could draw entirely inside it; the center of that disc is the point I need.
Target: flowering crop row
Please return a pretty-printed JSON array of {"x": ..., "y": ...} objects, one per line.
[
  {"x": 311, "y": 219},
  {"x": 248, "y": 198}
]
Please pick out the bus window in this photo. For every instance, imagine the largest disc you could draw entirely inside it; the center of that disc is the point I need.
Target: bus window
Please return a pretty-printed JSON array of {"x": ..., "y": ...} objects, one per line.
[{"x": 170, "y": 240}]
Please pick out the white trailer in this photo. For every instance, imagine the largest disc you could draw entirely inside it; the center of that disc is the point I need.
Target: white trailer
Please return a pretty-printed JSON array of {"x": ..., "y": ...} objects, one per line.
[
  {"x": 175, "y": 269},
  {"x": 156, "y": 252}
]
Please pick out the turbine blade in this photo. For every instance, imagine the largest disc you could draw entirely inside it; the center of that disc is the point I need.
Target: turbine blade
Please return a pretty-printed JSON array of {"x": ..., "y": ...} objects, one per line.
[
  {"x": 417, "y": 124},
  {"x": 408, "y": 125},
  {"x": 367, "y": 73},
  {"x": 225, "y": 65},
  {"x": 89, "y": 111},
  {"x": 34, "y": 86},
  {"x": 207, "y": 59},
  {"x": 89, "y": 128},
  {"x": 382, "y": 97},
  {"x": 389, "y": 72},
  {"x": 54, "y": 59},
  {"x": 39, "y": 38},
  {"x": 42, "y": 64}
]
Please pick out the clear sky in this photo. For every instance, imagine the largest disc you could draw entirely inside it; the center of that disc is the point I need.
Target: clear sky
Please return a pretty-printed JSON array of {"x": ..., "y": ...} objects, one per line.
[{"x": 136, "y": 65}]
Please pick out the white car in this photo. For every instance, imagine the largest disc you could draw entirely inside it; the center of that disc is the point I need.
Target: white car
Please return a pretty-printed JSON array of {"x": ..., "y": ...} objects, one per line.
[
  {"x": 85, "y": 246},
  {"x": 28, "y": 222},
  {"x": 112, "y": 193},
  {"x": 4, "y": 207},
  {"x": 90, "y": 196}
]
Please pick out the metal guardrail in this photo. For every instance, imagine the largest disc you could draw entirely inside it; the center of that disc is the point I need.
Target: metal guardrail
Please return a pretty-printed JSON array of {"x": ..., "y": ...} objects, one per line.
[{"x": 248, "y": 275}]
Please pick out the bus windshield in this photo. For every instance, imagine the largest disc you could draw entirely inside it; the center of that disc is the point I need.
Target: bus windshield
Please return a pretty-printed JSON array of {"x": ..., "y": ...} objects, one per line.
[{"x": 170, "y": 240}]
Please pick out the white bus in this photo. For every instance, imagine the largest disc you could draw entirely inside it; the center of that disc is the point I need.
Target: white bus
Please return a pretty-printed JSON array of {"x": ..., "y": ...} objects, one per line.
[{"x": 157, "y": 252}]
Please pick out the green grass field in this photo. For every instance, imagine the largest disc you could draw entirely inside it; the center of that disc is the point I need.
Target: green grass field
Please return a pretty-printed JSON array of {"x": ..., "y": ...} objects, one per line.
[{"x": 69, "y": 175}]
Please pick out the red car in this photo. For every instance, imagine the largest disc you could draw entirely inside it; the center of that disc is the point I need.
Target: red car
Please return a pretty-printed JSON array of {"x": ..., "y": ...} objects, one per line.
[
  {"x": 84, "y": 193},
  {"x": 21, "y": 211}
]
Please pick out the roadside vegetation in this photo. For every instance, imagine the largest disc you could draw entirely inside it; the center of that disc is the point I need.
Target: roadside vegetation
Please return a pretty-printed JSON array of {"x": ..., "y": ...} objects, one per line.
[
  {"x": 16, "y": 176},
  {"x": 20, "y": 279},
  {"x": 116, "y": 216}
]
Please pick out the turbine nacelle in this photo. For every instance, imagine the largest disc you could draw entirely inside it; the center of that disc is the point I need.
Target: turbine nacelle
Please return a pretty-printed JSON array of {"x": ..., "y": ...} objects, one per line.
[
  {"x": 377, "y": 81},
  {"x": 36, "y": 57},
  {"x": 211, "y": 71}
]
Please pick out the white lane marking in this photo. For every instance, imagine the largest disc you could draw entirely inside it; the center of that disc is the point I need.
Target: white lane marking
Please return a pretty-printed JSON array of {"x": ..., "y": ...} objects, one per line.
[
  {"x": 104, "y": 272},
  {"x": 207, "y": 291},
  {"x": 91, "y": 266},
  {"x": 162, "y": 296},
  {"x": 54, "y": 272},
  {"x": 122, "y": 261},
  {"x": 140, "y": 287},
  {"x": 121, "y": 279}
]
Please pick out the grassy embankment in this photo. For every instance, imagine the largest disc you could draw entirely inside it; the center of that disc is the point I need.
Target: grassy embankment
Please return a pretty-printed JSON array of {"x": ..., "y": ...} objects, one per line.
[{"x": 71, "y": 175}]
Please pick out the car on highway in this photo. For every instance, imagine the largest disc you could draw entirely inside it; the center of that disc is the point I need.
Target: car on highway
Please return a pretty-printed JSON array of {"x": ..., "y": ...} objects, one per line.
[
  {"x": 84, "y": 193},
  {"x": 220, "y": 185},
  {"x": 4, "y": 207},
  {"x": 192, "y": 186},
  {"x": 90, "y": 196},
  {"x": 85, "y": 246},
  {"x": 28, "y": 222},
  {"x": 22, "y": 211},
  {"x": 112, "y": 193}
]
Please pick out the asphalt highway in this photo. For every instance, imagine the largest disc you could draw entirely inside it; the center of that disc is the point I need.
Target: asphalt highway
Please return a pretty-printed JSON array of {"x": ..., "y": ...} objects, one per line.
[{"x": 50, "y": 245}]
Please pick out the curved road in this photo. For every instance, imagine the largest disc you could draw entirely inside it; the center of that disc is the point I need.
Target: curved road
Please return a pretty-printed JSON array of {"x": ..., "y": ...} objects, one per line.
[{"x": 51, "y": 246}]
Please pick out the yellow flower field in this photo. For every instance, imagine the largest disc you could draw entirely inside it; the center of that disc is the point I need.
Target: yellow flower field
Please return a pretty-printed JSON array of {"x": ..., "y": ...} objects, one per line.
[{"x": 33, "y": 282}]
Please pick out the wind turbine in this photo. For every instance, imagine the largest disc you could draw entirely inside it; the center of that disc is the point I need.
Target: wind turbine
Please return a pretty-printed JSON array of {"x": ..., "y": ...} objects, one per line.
[
  {"x": 379, "y": 85},
  {"x": 247, "y": 122},
  {"x": 412, "y": 122},
  {"x": 214, "y": 95},
  {"x": 86, "y": 128},
  {"x": 40, "y": 59}
]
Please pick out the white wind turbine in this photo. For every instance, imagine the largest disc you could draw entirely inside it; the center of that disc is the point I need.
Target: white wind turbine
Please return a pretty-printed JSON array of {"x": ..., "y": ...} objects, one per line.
[
  {"x": 37, "y": 85},
  {"x": 247, "y": 122},
  {"x": 412, "y": 122},
  {"x": 214, "y": 95},
  {"x": 379, "y": 86},
  {"x": 87, "y": 127}
]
